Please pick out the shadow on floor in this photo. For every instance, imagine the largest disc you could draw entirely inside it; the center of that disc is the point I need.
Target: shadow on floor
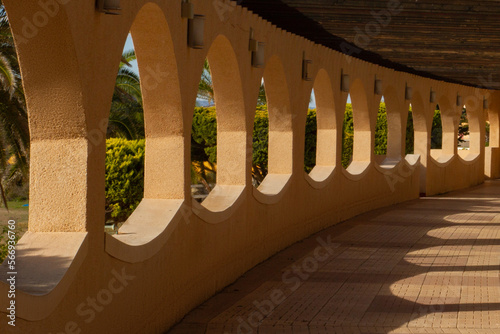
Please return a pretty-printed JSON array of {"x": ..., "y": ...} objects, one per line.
[{"x": 424, "y": 266}]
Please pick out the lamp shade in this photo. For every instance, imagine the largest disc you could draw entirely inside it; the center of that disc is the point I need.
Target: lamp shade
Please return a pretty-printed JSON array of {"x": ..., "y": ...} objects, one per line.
[
  {"x": 408, "y": 93},
  {"x": 305, "y": 70},
  {"x": 345, "y": 82},
  {"x": 432, "y": 97},
  {"x": 378, "y": 87},
  {"x": 259, "y": 56},
  {"x": 486, "y": 103}
]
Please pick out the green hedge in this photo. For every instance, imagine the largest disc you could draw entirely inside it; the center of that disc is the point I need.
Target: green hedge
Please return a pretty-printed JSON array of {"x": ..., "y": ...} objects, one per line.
[
  {"x": 204, "y": 137},
  {"x": 381, "y": 131},
  {"x": 124, "y": 176},
  {"x": 436, "y": 131},
  {"x": 347, "y": 136},
  {"x": 410, "y": 135},
  {"x": 125, "y": 159},
  {"x": 260, "y": 143},
  {"x": 311, "y": 140}
]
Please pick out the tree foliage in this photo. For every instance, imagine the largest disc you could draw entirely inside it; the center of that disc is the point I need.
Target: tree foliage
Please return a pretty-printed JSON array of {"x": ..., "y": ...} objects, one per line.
[
  {"x": 381, "y": 131},
  {"x": 124, "y": 177},
  {"x": 463, "y": 126},
  {"x": 260, "y": 144},
  {"x": 204, "y": 135},
  {"x": 124, "y": 159},
  {"x": 311, "y": 141},
  {"x": 347, "y": 136},
  {"x": 410, "y": 134},
  {"x": 126, "y": 118},
  {"x": 437, "y": 131},
  {"x": 14, "y": 131},
  {"x": 206, "y": 87}
]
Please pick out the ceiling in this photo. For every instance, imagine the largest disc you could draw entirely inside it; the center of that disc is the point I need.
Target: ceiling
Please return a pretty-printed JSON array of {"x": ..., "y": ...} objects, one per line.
[{"x": 456, "y": 41}]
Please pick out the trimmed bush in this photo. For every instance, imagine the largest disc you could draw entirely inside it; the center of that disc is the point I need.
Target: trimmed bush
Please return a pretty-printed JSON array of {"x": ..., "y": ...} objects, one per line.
[
  {"x": 124, "y": 177},
  {"x": 204, "y": 135},
  {"x": 381, "y": 131},
  {"x": 311, "y": 141},
  {"x": 125, "y": 159},
  {"x": 347, "y": 136},
  {"x": 410, "y": 134},
  {"x": 437, "y": 131},
  {"x": 260, "y": 143}
]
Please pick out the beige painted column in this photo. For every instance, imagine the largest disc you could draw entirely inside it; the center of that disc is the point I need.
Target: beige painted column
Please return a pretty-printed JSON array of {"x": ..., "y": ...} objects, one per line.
[
  {"x": 59, "y": 154},
  {"x": 397, "y": 113},
  {"x": 492, "y": 153}
]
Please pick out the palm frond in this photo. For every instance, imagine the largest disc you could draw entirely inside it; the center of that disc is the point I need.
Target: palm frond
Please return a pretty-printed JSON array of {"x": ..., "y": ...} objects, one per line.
[
  {"x": 8, "y": 78},
  {"x": 14, "y": 130},
  {"x": 127, "y": 57},
  {"x": 205, "y": 87},
  {"x": 126, "y": 120},
  {"x": 128, "y": 85}
]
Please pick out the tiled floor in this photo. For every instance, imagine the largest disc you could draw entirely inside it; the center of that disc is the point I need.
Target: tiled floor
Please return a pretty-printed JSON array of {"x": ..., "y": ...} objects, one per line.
[{"x": 425, "y": 266}]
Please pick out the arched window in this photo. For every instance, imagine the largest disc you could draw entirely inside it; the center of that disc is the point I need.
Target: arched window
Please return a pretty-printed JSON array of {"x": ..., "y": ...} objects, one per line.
[
  {"x": 204, "y": 138},
  {"x": 381, "y": 130},
  {"x": 311, "y": 135},
  {"x": 410, "y": 133},
  {"x": 437, "y": 130},
  {"x": 347, "y": 134}
]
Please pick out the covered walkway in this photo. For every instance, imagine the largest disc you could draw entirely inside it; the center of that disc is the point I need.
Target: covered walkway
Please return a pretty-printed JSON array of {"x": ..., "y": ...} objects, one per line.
[
  {"x": 424, "y": 263},
  {"x": 425, "y": 266}
]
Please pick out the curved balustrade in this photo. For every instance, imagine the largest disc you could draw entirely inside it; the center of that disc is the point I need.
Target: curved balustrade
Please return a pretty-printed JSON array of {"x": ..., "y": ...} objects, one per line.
[{"x": 173, "y": 252}]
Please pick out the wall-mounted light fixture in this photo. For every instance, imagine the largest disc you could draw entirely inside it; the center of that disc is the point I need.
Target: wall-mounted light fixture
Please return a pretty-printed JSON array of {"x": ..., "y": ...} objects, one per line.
[
  {"x": 378, "y": 87},
  {"x": 432, "y": 97},
  {"x": 345, "y": 82},
  {"x": 305, "y": 68},
  {"x": 486, "y": 103},
  {"x": 459, "y": 101},
  {"x": 111, "y": 7},
  {"x": 259, "y": 55},
  {"x": 408, "y": 93},
  {"x": 196, "y": 31},
  {"x": 187, "y": 10},
  {"x": 258, "y": 51}
]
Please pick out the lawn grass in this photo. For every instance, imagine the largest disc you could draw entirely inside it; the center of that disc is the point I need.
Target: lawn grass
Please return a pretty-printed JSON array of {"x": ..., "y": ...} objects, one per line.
[
  {"x": 16, "y": 212},
  {"x": 19, "y": 214}
]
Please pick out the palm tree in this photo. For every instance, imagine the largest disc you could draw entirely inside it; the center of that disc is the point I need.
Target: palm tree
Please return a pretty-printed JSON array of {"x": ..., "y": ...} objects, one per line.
[
  {"x": 205, "y": 87},
  {"x": 128, "y": 85},
  {"x": 14, "y": 130},
  {"x": 126, "y": 119}
]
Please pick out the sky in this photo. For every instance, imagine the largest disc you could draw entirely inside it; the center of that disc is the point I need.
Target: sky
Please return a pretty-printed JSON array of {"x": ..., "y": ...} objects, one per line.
[{"x": 129, "y": 44}]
